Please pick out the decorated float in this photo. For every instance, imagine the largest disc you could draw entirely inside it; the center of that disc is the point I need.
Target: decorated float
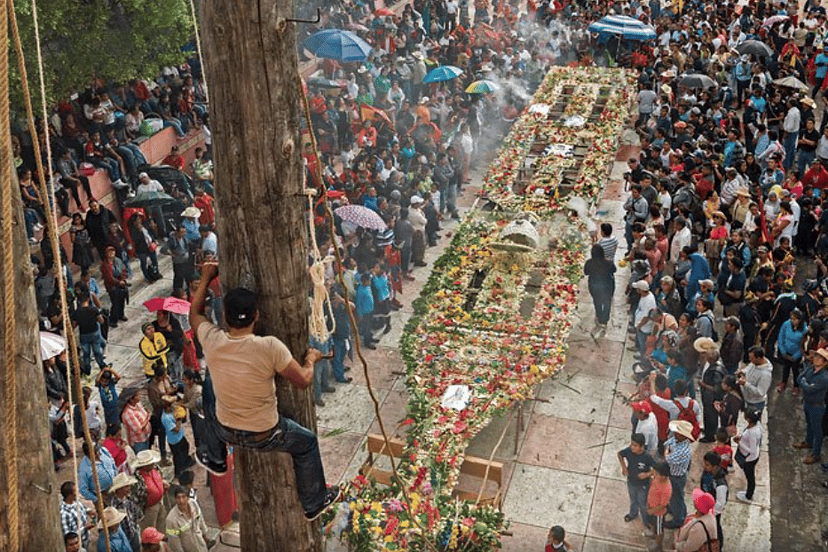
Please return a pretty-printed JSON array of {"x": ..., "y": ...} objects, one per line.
[{"x": 494, "y": 317}]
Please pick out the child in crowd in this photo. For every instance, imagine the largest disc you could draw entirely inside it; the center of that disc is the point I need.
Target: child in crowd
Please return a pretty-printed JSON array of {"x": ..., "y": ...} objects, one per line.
[
  {"x": 723, "y": 448},
  {"x": 658, "y": 498},
  {"x": 636, "y": 465},
  {"x": 106, "y": 380},
  {"x": 714, "y": 481},
  {"x": 556, "y": 540}
]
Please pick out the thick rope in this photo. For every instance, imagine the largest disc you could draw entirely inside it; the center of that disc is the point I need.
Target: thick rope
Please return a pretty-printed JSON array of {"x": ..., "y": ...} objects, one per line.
[
  {"x": 198, "y": 47},
  {"x": 9, "y": 313},
  {"x": 352, "y": 318},
  {"x": 51, "y": 228},
  {"x": 45, "y": 116},
  {"x": 318, "y": 324}
]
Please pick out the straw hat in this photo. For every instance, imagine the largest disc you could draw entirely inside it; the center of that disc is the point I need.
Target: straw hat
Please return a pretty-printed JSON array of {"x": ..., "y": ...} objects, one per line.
[
  {"x": 121, "y": 480},
  {"x": 111, "y": 517},
  {"x": 641, "y": 285},
  {"x": 146, "y": 458},
  {"x": 742, "y": 192},
  {"x": 191, "y": 212},
  {"x": 704, "y": 502},
  {"x": 823, "y": 353},
  {"x": 682, "y": 427},
  {"x": 705, "y": 345}
]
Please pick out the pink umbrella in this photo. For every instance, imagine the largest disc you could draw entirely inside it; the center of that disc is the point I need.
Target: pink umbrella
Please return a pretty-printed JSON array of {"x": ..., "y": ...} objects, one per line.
[{"x": 171, "y": 304}]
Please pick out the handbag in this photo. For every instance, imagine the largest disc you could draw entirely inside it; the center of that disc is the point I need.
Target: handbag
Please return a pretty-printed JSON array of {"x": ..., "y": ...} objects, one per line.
[
  {"x": 712, "y": 545},
  {"x": 740, "y": 458}
]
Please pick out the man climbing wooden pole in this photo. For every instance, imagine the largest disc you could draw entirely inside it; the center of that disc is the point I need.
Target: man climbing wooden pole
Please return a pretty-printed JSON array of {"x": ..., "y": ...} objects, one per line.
[{"x": 250, "y": 50}]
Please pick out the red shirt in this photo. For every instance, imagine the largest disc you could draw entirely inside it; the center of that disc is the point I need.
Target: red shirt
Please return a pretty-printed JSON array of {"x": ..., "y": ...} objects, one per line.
[
  {"x": 176, "y": 161},
  {"x": 659, "y": 496},
  {"x": 726, "y": 453},
  {"x": 155, "y": 486},
  {"x": 662, "y": 416},
  {"x": 116, "y": 449},
  {"x": 205, "y": 203}
]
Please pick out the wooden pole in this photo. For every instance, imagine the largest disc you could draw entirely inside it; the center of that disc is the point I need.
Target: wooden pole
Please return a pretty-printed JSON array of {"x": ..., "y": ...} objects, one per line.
[
  {"x": 38, "y": 496},
  {"x": 250, "y": 55}
]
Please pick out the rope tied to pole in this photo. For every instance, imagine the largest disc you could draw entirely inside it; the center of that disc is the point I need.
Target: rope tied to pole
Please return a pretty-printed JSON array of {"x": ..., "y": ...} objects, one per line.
[{"x": 51, "y": 219}]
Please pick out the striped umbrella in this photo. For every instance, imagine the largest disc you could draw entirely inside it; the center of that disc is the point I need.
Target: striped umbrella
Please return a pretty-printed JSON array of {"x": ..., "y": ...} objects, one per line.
[
  {"x": 443, "y": 73},
  {"x": 627, "y": 27},
  {"x": 361, "y": 216},
  {"x": 482, "y": 86}
]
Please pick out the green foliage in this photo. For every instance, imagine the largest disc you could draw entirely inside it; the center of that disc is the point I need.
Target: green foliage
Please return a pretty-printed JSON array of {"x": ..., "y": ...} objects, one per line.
[{"x": 113, "y": 40}]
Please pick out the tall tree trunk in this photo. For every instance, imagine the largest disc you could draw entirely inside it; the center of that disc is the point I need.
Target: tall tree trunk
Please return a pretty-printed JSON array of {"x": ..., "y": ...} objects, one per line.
[
  {"x": 252, "y": 72},
  {"x": 38, "y": 496}
]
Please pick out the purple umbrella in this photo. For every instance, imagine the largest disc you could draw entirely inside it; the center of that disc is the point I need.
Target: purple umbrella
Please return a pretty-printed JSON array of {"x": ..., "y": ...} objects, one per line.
[{"x": 361, "y": 216}]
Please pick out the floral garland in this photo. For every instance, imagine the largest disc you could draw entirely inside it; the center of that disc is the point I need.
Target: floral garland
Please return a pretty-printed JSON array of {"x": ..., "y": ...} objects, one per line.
[{"x": 493, "y": 320}]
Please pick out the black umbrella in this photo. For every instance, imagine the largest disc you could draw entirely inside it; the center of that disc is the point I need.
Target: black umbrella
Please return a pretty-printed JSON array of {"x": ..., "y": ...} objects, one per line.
[
  {"x": 149, "y": 199},
  {"x": 755, "y": 47},
  {"x": 697, "y": 80},
  {"x": 128, "y": 392}
]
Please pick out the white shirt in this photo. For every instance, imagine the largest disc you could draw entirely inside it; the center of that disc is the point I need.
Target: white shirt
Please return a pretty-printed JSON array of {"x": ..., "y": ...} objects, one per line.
[
  {"x": 792, "y": 120},
  {"x": 645, "y": 304},
  {"x": 681, "y": 239},
  {"x": 649, "y": 428},
  {"x": 750, "y": 442},
  {"x": 151, "y": 186}
]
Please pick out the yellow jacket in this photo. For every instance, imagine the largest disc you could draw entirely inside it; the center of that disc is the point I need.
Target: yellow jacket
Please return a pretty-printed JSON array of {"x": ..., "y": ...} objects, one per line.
[{"x": 153, "y": 351}]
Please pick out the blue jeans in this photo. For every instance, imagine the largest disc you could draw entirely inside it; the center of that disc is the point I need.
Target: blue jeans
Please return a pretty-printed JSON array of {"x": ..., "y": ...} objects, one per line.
[
  {"x": 790, "y": 150},
  {"x": 30, "y": 218},
  {"x": 641, "y": 342},
  {"x": 176, "y": 124},
  {"x": 638, "y": 499},
  {"x": 805, "y": 159},
  {"x": 91, "y": 343},
  {"x": 338, "y": 362},
  {"x": 153, "y": 258},
  {"x": 109, "y": 165},
  {"x": 301, "y": 444},
  {"x": 813, "y": 424},
  {"x": 677, "y": 507},
  {"x": 321, "y": 369}
]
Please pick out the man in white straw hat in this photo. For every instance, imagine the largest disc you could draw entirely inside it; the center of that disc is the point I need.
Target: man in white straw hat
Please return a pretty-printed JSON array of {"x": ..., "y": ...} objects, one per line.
[
  {"x": 145, "y": 467},
  {"x": 118, "y": 541},
  {"x": 678, "y": 453},
  {"x": 122, "y": 501}
]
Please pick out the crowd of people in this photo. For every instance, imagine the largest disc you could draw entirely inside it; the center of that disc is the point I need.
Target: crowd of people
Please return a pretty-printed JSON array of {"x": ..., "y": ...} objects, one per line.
[{"x": 724, "y": 198}]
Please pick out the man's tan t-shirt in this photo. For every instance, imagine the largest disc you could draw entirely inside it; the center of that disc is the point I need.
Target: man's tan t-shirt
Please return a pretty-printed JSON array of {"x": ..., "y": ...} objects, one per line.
[{"x": 243, "y": 371}]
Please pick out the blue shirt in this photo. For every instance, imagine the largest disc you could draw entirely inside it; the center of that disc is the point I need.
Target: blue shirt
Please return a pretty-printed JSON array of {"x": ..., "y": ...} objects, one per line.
[
  {"x": 192, "y": 234},
  {"x": 364, "y": 301},
  {"x": 109, "y": 402},
  {"x": 380, "y": 284},
  {"x": 106, "y": 473},
  {"x": 821, "y": 62},
  {"x": 173, "y": 437},
  {"x": 118, "y": 541},
  {"x": 758, "y": 103}
]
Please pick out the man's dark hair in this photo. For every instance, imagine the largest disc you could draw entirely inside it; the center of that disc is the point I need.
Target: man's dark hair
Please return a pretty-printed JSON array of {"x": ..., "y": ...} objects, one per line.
[
  {"x": 70, "y": 536},
  {"x": 638, "y": 438},
  {"x": 606, "y": 229},
  {"x": 186, "y": 478},
  {"x": 67, "y": 488},
  {"x": 558, "y": 533},
  {"x": 713, "y": 458},
  {"x": 112, "y": 429},
  {"x": 240, "y": 307},
  {"x": 680, "y": 387},
  {"x": 178, "y": 489},
  {"x": 757, "y": 350},
  {"x": 662, "y": 468}
]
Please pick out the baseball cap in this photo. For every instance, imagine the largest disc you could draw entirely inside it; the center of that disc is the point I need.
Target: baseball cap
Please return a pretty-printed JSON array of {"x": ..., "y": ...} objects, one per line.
[
  {"x": 642, "y": 406},
  {"x": 151, "y": 535}
]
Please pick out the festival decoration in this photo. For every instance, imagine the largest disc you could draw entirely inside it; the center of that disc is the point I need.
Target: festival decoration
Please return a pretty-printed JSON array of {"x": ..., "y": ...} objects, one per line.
[{"x": 494, "y": 316}]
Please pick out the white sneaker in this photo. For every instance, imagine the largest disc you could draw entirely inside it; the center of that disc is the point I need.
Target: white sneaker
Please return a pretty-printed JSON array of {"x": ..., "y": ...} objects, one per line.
[
  {"x": 130, "y": 194},
  {"x": 37, "y": 227},
  {"x": 119, "y": 184},
  {"x": 33, "y": 241},
  {"x": 742, "y": 496}
]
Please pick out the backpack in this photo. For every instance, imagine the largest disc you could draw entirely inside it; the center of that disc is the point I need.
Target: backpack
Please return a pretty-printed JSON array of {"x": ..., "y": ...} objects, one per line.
[
  {"x": 688, "y": 415},
  {"x": 714, "y": 334}
]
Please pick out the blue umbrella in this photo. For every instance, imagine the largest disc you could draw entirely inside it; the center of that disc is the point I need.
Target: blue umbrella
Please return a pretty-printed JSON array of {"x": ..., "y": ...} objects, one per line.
[
  {"x": 443, "y": 73},
  {"x": 627, "y": 27},
  {"x": 338, "y": 44}
]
